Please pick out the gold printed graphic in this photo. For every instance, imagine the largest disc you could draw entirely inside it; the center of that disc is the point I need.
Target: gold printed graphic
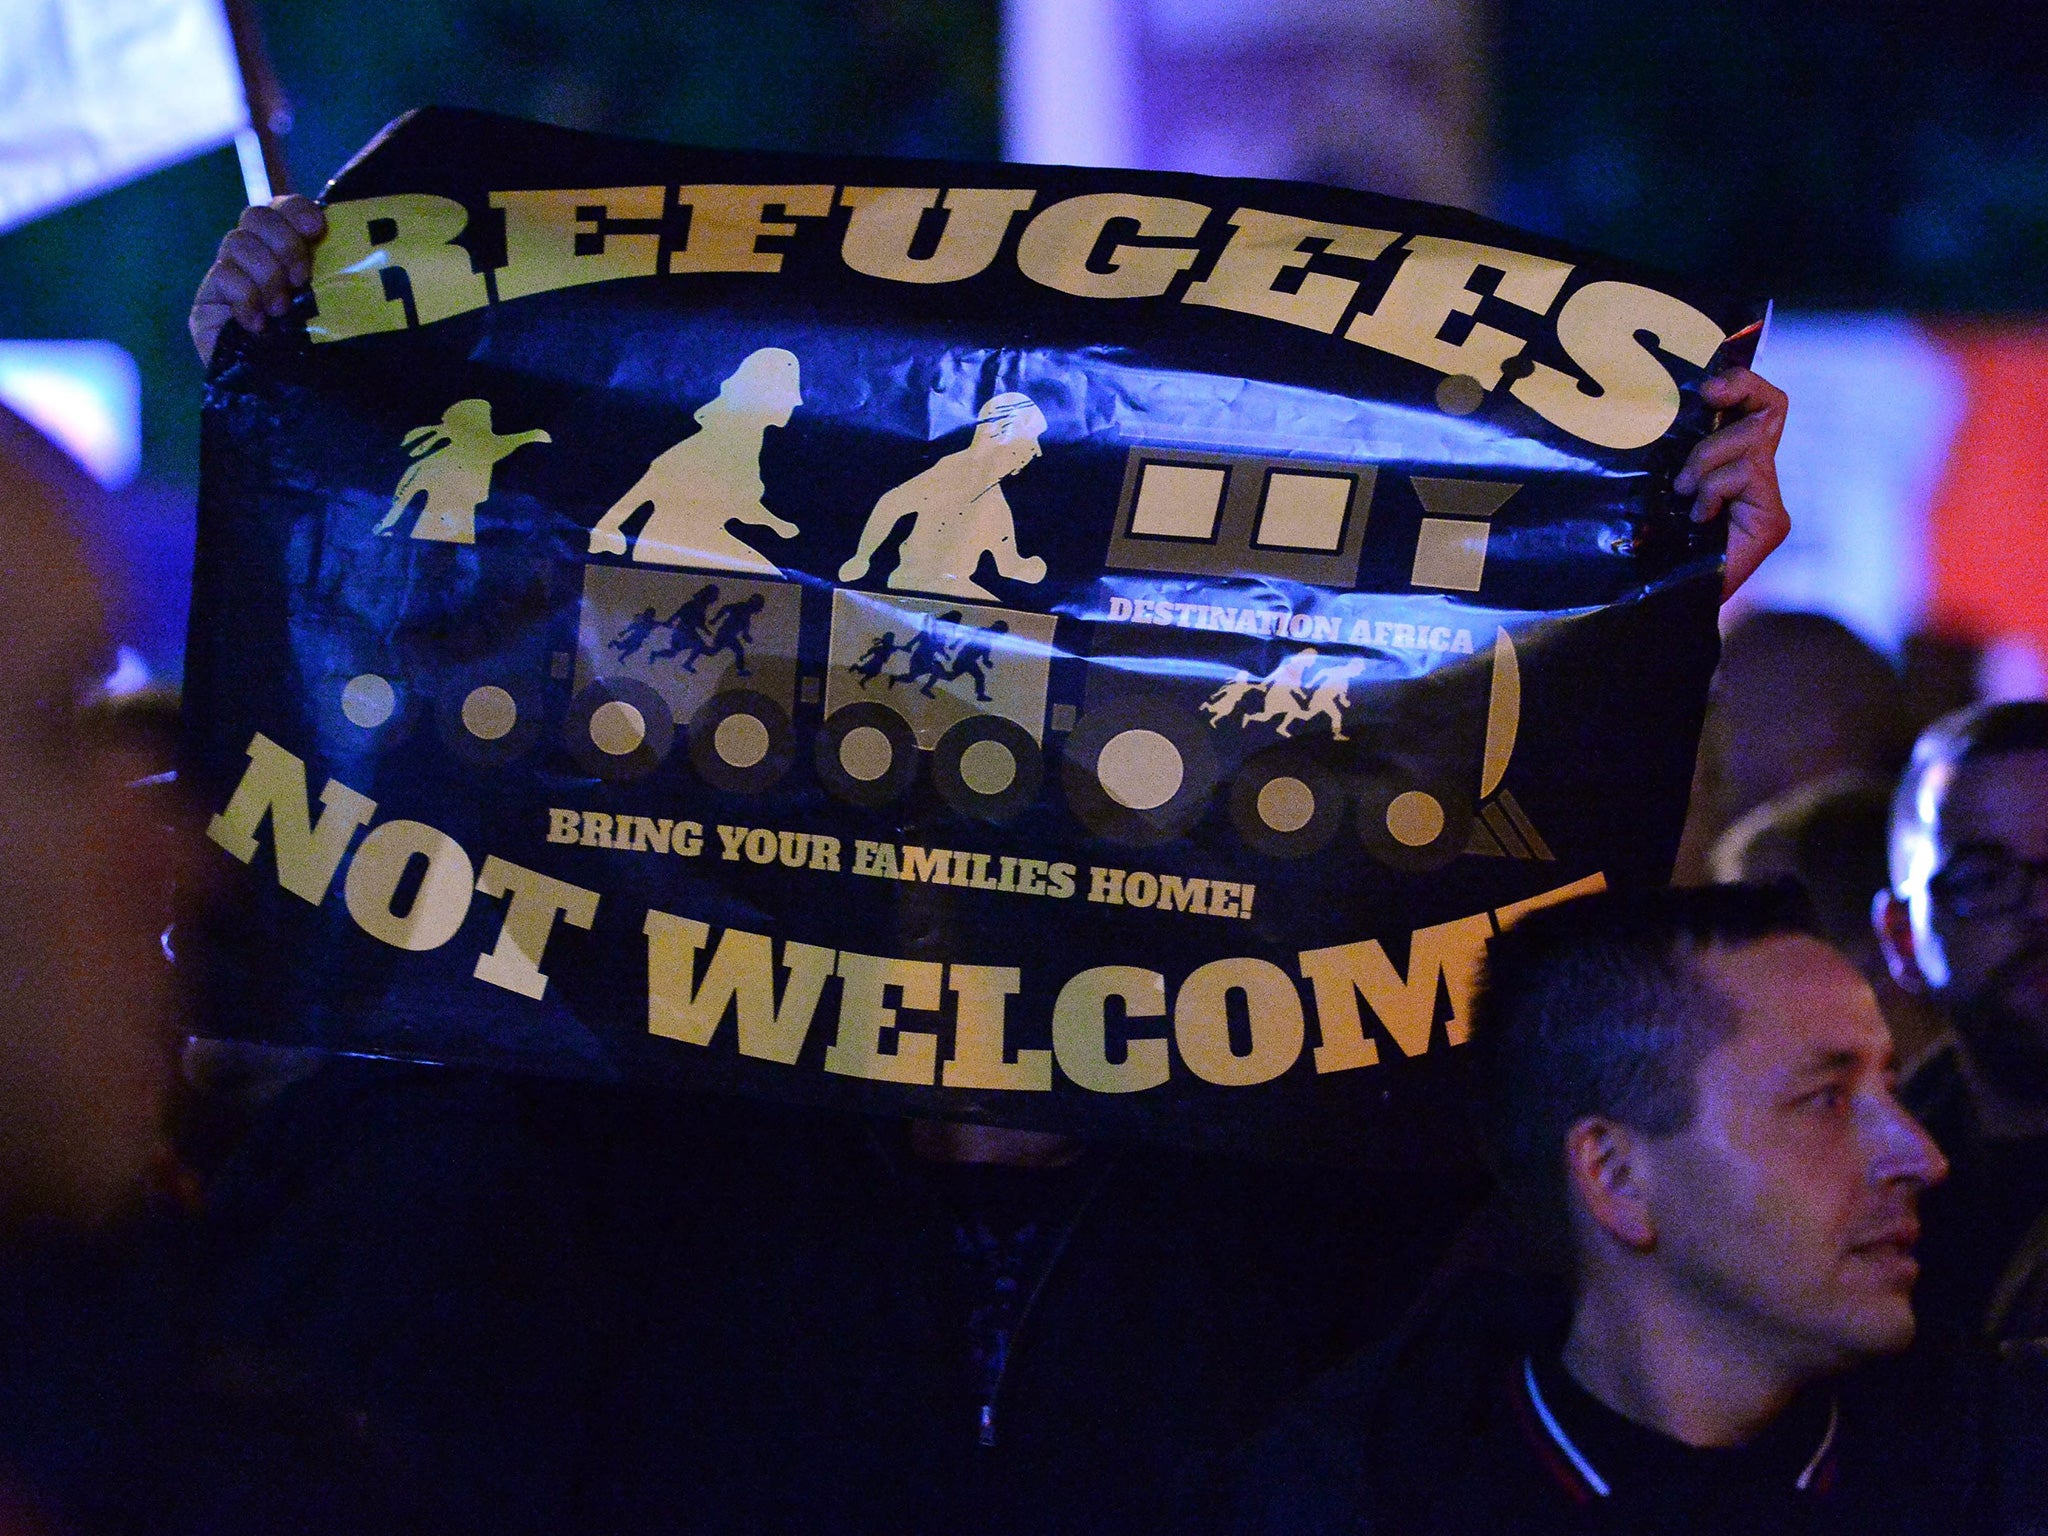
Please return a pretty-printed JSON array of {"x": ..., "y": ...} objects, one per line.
[
  {"x": 712, "y": 478},
  {"x": 727, "y": 224},
  {"x": 1288, "y": 696},
  {"x": 410, "y": 232},
  {"x": 1599, "y": 328},
  {"x": 1264, "y": 246},
  {"x": 1503, "y": 713},
  {"x": 958, "y": 510},
  {"x": 543, "y": 231},
  {"x": 885, "y": 221},
  {"x": 1057, "y": 243},
  {"x": 1433, "y": 283},
  {"x": 455, "y": 457}
]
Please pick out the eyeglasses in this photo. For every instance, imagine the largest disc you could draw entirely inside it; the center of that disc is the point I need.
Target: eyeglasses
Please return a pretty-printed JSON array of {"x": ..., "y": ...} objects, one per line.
[{"x": 1986, "y": 882}]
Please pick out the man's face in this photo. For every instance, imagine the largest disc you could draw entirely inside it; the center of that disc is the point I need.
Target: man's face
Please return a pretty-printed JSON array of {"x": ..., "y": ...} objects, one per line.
[
  {"x": 1789, "y": 1205},
  {"x": 1993, "y": 964},
  {"x": 84, "y": 1004}
]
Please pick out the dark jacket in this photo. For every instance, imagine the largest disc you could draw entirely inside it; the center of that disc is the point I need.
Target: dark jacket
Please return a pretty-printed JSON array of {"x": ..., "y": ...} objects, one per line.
[
  {"x": 1984, "y": 1245},
  {"x": 451, "y": 1302},
  {"x": 1434, "y": 1434}
]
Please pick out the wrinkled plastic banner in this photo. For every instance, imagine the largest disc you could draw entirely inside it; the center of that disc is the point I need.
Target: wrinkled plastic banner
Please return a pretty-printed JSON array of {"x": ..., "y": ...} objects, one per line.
[{"x": 1082, "y": 650}]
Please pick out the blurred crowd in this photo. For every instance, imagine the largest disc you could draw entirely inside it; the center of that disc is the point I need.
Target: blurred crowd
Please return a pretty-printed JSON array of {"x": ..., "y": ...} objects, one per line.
[{"x": 1675, "y": 1287}]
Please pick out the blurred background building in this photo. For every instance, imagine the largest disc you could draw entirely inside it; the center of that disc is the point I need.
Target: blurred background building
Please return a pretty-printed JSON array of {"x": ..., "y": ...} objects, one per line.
[{"x": 1880, "y": 168}]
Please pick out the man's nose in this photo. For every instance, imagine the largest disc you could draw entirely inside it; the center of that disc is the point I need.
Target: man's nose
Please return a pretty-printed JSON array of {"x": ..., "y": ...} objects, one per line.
[{"x": 1903, "y": 1151}]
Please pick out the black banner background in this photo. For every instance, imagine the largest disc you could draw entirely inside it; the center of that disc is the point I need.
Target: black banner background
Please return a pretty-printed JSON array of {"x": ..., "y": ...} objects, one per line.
[{"x": 1604, "y": 592}]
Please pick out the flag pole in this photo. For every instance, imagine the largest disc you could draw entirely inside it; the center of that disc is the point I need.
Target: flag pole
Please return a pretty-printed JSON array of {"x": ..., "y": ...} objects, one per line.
[{"x": 261, "y": 145}]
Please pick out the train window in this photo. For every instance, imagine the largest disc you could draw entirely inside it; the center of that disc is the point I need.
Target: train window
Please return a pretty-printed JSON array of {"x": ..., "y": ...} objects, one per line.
[
  {"x": 1178, "y": 501},
  {"x": 1202, "y": 513},
  {"x": 1304, "y": 511}
]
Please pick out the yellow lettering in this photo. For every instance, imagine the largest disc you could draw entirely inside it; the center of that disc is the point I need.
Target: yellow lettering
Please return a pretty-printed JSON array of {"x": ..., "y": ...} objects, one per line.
[
  {"x": 380, "y": 863},
  {"x": 1201, "y": 1022},
  {"x": 741, "y": 977},
  {"x": 537, "y": 900},
  {"x": 865, "y": 1012},
  {"x": 409, "y": 232},
  {"x": 1080, "y": 1029},
  {"x": 543, "y": 230},
  {"x": 1600, "y": 328},
  {"x": 978, "y": 1059},
  {"x": 1405, "y": 1006},
  {"x": 885, "y": 222},
  {"x": 1268, "y": 244},
  {"x": 1433, "y": 283},
  {"x": 1056, "y": 245},
  {"x": 728, "y": 223},
  {"x": 307, "y": 853}
]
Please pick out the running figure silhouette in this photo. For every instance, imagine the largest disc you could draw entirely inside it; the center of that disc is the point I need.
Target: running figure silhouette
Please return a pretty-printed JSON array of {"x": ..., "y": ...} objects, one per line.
[
  {"x": 635, "y": 633},
  {"x": 1220, "y": 704},
  {"x": 690, "y": 625},
  {"x": 1288, "y": 696},
  {"x": 1284, "y": 689},
  {"x": 455, "y": 458},
  {"x": 732, "y": 630},
  {"x": 974, "y": 652},
  {"x": 925, "y": 655},
  {"x": 945, "y": 649},
  {"x": 1331, "y": 698},
  {"x": 876, "y": 657}
]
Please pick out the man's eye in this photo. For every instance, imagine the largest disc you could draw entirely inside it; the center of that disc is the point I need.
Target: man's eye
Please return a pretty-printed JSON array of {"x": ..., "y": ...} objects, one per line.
[{"x": 1832, "y": 1100}]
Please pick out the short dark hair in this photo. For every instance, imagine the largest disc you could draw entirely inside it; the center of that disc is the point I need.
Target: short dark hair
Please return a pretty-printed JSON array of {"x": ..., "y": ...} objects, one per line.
[
  {"x": 1596, "y": 1007},
  {"x": 1966, "y": 736}
]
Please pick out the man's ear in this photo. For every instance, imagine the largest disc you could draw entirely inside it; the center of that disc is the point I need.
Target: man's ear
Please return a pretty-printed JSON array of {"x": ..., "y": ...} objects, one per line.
[
  {"x": 1609, "y": 1181},
  {"x": 1892, "y": 918}
]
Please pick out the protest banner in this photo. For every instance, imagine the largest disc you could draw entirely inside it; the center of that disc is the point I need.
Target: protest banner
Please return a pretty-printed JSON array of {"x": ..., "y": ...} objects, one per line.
[{"x": 1084, "y": 650}]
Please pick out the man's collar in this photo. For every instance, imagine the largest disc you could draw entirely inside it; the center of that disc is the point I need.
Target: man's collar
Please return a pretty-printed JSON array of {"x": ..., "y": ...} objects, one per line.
[{"x": 1590, "y": 1447}]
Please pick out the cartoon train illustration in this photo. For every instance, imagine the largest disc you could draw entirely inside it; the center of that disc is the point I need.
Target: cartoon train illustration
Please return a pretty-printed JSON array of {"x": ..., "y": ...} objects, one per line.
[{"x": 1296, "y": 720}]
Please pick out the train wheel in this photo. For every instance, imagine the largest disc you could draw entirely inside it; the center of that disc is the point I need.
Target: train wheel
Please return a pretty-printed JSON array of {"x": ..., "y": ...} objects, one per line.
[
  {"x": 1408, "y": 827},
  {"x": 987, "y": 767},
  {"x": 488, "y": 720},
  {"x": 619, "y": 728},
  {"x": 741, "y": 741},
  {"x": 362, "y": 696},
  {"x": 1286, "y": 805},
  {"x": 1137, "y": 775},
  {"x": 866, "y": 754}
]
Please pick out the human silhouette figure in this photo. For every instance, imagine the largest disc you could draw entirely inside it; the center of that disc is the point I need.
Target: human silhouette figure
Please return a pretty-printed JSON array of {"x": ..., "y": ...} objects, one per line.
[
  {"x": 455, "y": 457},
  {"x": 689, "y": 624},
  {"x": 925, "y": 656},
  {"x": 635, "y": 632},
  {"x": 1332, "y": 697},
  {"x": 734, "y": 631},
  {"x": 957, "y": 509},
  {"x": 971, "y": 656},
  {"x": 876, "y": 657},
  {"x": 1284, "y": 690},
  {"x": 712, "y": 477},
  {"x": 1225, "y": 700}
]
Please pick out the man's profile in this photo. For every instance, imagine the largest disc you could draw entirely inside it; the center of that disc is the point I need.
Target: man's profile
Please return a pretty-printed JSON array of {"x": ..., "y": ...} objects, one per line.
[
  {"x": 1688, "y": 1097},
  {"x": 958, "y": 511},
  {"x": 1965, "y": 922}
]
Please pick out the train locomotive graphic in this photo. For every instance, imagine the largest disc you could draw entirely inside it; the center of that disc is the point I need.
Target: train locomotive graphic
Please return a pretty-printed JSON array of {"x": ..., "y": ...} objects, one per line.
[{"x": 1258, "y": 690}]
